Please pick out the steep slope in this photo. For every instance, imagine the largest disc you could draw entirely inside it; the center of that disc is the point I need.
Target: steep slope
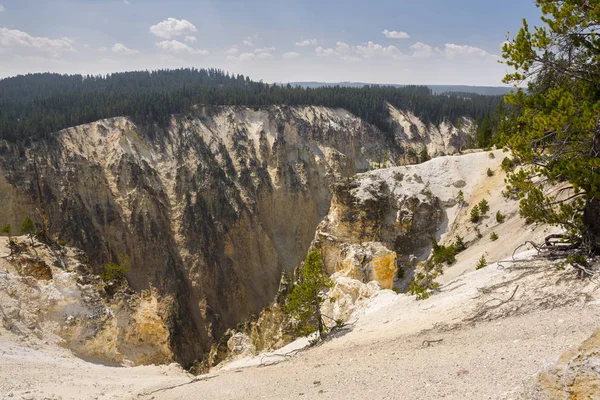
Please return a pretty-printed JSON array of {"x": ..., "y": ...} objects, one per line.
[
  {"x": 484, "y": 334},
  {"x": 383, "y": 221},
  {"x": 48, "y": 292},
  {"x": 416, "y": 135},
  {"x": 210, "y": 210}
]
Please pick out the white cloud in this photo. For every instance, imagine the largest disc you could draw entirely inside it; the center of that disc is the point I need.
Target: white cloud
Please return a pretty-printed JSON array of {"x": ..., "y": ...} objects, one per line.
[
  {"x": 373, "y": 50},
  {"x": 190, "y": 39},
  {"x": 171, "y": 28},
  {"x": 264, "y": 56},
  {"x": 354, "y": 53},
  {"x": 233, "y": 50},
  {"x": 126, "y": 2},
  {"x": 395, "y": 34},
  {"x": 2, "y": 9},
  {"x": 341, "y": 50},
  {"x": 102, "y": 49},
  {"x": 421, "y": 50},
  {"x": 15, "y": 39},
  {"x": 248, "y": 42},
  {"x": 250, "y": 56},
  {"x": 174, "y": 46},
  {"x": 265, "y": 50},
  {"x": 122, "y": 49},
  {"x": 242, "y": 57},
  {"x": 452, "y": 50},
  {"x": 307, "y": 42},
  {"x": 291, "y": 54}
]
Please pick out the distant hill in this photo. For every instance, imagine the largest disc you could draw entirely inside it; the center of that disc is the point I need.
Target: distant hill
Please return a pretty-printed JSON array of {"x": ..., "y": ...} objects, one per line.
[{"x": 437, "y": 89}]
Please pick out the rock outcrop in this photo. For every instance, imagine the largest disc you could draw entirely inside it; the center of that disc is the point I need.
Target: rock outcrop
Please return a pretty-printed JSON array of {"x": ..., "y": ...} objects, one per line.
[
  {"x": 211, "y": 209},
  {"x": 381, "y": 223},
  {"x": 48, "y": 292},
  {"x": 575, "y": 375},
  {"x": 415, "y": 135}
]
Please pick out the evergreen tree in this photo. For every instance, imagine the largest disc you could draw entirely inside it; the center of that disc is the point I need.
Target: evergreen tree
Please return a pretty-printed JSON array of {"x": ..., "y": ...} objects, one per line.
[
  {"x": 554, "y": 125},
  {"x": 7, "y": 230},
  {"x": 28, "y": 228},
  {"x": 305, "y": 300},
  {"x": 35, "y": 105}
]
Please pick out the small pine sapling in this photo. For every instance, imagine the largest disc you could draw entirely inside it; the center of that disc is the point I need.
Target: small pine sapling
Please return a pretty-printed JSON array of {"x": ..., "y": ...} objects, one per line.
[
  {"x": 484, "y": 207},
  {"x": 500, "y": 217},
  {"x": 305, "y": 300},
  {"x": 482, "y": 263},
  {"x": 459, "y": 244},
  {"x": 475, "y": 215},
  {"x": 460, "y": 198}
]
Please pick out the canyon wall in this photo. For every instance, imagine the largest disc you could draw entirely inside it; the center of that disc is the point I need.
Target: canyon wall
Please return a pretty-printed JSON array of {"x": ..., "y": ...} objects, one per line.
[{"x": 210, "y": 210}]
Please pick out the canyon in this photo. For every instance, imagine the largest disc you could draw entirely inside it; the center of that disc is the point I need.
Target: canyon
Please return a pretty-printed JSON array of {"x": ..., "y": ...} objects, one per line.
[{"x": 211, "y": 210}]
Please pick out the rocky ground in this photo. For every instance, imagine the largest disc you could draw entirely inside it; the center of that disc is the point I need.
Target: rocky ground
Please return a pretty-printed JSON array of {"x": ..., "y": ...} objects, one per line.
[
  {"x": 488, "y": 334},
  {"x": 523, "y": 327}
]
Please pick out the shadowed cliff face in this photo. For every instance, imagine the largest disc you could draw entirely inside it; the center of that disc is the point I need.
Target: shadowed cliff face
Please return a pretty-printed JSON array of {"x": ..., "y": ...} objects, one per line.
[{"x": 210, "y": 210}]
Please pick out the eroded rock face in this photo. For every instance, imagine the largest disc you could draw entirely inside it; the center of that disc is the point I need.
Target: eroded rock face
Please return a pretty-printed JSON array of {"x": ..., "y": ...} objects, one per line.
[
  {"x": 65, "y": 301},
  {"x": 437, "y": 140},
  {"x": 212, "y": 209},
  {"x": 378, "y": 223},
  {"x": 366, "y": 262},
  {"x": 348, "y": 296},
  {"x": 576, "y": 375}
]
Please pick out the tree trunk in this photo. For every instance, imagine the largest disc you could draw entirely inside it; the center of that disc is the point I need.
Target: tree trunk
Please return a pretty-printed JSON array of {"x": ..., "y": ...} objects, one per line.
[
  {"x": 319, "y": 318},
  {"x": 591, "y": 222},
  {"x": 591, "y": 211}
]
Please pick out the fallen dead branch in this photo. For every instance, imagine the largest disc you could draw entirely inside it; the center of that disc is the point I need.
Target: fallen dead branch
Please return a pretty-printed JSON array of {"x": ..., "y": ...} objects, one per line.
[
  {"x": 427, "y": 343},
  {"x": 164, "y": 389},
  {"x": 486, "y": 310}
]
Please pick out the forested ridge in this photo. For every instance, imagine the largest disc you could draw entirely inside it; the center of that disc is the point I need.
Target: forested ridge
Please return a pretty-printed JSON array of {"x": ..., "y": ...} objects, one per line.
[{"x": 34, "y": 105}]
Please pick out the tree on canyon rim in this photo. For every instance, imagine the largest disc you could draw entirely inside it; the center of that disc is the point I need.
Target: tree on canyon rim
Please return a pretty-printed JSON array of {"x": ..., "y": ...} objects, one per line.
[
  {"x": 554, "y": 125},
  {"x": 305, "y": 300}
]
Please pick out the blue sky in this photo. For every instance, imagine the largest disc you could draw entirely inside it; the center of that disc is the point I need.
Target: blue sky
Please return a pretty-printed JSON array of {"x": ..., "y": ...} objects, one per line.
[{"x": 378, "y": 41}]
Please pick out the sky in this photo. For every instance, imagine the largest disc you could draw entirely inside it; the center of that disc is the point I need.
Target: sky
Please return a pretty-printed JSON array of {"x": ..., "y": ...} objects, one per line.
[{"x": 454, "y": 42}]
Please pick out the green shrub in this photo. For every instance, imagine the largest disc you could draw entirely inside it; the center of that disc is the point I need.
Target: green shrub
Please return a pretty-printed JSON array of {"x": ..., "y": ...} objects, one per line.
[
  {"x": 114, "y": 271},
  {"x": 459, "y": 244},
  {"x": 482, "y": 263},
  {"x": 475, "y": 216},
  {"x": 7, "y": 230},
  {"x": 305, "y": 300},
  {"x": 490, "y": 172},
  {"x": 443, "y": 254},
  {"x": 508, "y": 164},
  {"x": 483, "y": 206},
  {"x": 460, "y": 198},
  {"x": 423, "y": 155},
  {"x": 491, "y": 155},
  {"x": 400, "y": 273},
  {"x": 478, "y": 232},
  {"x": 499, "y": 217},
  {"x": 28, "y": 228},
  {"x": 493, "y": 236},
  {"x": 423, "y": 285}
]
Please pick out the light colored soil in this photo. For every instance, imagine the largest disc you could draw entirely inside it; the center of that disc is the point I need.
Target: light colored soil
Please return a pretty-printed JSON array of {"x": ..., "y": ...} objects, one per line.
[
  {"x": 382, "y": 356},
  {"x": 493, "y": 330}
]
